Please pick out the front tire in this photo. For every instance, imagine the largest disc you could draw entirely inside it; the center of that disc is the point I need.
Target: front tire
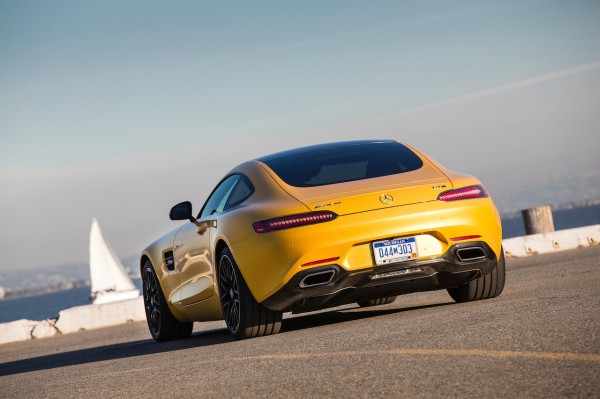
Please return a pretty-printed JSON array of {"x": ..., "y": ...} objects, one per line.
[
  {"x": 162, "y": 324},
  {"x": 245, "y": 318},
  {"x": 487, "y": 286}
]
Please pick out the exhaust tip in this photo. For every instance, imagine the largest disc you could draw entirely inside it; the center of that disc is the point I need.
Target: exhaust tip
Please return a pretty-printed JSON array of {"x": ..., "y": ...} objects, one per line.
[
  {"x": 317, "y": 279},
  {"x": 470, "y": 254}
]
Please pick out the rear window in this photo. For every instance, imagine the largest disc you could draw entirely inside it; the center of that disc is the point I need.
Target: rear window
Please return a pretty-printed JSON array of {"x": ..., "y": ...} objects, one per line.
[{"x": 330, "y": 164}]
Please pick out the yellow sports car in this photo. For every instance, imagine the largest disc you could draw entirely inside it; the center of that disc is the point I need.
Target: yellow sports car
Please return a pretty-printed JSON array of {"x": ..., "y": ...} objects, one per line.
[{"x": 317, "y": 227}]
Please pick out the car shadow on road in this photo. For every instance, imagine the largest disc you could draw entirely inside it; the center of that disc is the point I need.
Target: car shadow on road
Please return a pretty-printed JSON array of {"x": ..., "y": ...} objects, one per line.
[
  {"x": 113, "y": 352},
  {"x": 197, "y": 340}
]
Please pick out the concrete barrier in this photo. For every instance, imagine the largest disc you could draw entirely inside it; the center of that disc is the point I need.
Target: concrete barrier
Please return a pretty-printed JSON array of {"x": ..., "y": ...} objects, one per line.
[
  {"x": 89, "y": 317},
  {"x": 19, "y": 330},
  {"x": 44, "y": 329},
  {"x": 86, "y": 317},
  {"x": 552, "y": 242}
]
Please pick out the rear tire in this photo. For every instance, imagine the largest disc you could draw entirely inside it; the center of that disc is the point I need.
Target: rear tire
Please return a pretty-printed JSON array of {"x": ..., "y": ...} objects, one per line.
[
  {"x": 376, "y": 302},
  {"x": 162, "y": 324},
  {"x": 487, "y": 286},
  {"x": 245, "y": 318}
]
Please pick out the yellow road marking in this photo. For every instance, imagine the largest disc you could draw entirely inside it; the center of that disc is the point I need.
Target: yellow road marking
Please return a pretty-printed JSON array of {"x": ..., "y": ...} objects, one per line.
[
  {"x": 587, "y": 357},
  {"x": 119, "y": 372}
]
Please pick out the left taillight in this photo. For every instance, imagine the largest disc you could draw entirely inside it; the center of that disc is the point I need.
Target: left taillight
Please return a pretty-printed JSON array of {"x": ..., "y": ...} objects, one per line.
[
  {"x": 463, "y": 193},
  {"x": 289, "y": 221}
]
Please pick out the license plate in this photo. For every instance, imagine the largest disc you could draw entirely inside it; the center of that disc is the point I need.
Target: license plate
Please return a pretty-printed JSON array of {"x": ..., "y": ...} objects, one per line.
[{"x": 398, "y": 250}]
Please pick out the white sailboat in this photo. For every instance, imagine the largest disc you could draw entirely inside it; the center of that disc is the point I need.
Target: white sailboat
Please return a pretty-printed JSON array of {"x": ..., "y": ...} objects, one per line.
[{"x": 110, "y": 281}]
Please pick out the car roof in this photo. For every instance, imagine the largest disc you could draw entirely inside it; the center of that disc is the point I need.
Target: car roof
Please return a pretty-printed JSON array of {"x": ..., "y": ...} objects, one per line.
[{"x": 318, "y": 147}]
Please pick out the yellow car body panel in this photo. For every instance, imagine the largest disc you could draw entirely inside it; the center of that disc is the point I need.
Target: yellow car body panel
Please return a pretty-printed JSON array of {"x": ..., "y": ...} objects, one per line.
[
  {"x": 270, "y": 261},
  {"x": 349, "y": 237}
]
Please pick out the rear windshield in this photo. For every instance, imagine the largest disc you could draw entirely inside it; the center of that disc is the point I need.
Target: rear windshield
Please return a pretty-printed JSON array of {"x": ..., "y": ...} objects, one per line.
[{"x": 327, "y": 164}]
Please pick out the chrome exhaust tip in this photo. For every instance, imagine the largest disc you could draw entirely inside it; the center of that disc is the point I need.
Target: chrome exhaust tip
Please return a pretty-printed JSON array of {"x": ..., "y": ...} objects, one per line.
[
  {"x": 470, "y": 254},
  {"x": 317, "y": 279}
]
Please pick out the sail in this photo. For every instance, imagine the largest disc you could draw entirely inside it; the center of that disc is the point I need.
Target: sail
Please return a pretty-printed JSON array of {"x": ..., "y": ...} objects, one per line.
[{"x": 108, "y": 276}]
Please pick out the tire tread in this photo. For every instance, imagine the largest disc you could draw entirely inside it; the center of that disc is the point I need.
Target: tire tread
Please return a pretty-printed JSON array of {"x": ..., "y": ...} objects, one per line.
[
  {"x": 484, "y": 287},
  {"x": 170, "y": 328},
  {"x": 255, "y": 319}
]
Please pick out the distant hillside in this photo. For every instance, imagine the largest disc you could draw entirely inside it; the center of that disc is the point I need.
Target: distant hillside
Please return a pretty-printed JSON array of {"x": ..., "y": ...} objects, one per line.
[
  {"x": 555, "y": 190},
  {"x": 41, "y": 280}
]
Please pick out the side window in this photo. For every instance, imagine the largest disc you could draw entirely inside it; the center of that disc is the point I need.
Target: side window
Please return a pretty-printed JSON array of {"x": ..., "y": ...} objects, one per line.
[
  {"x": 217, "y": 200},
  {"x": 240, "y": 193}
]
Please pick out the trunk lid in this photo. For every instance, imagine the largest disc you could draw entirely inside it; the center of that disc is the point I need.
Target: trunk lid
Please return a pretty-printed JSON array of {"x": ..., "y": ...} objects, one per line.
[{"x": 421, "y": 185}]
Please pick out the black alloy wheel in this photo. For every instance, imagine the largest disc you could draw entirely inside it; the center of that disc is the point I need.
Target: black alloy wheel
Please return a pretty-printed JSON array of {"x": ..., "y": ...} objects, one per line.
[
  {"x": 162, "y": 324},
  {"x": 245, "y": 318},
  {"x": 230, "y": 294},
  {"x": 151, "y": 301}
]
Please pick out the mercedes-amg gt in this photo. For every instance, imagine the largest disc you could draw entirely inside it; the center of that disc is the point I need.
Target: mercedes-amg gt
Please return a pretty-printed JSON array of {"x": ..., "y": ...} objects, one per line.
[{"x": 317, "y": 227}]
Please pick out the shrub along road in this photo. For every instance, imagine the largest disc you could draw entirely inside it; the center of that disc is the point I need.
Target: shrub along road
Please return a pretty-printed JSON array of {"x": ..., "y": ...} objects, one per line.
[{"x": 540, "y": 338}]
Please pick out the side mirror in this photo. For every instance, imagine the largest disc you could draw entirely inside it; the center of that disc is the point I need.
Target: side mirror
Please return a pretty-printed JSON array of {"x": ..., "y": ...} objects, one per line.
[{"x": 182, "y": 211}]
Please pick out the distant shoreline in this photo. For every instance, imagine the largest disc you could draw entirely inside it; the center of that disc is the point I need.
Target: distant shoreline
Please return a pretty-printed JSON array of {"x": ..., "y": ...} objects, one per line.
[
  {"x": 556, "y": 207},
  {"x": 563, "y": 217},
  {"x": 27, "y": 292}
]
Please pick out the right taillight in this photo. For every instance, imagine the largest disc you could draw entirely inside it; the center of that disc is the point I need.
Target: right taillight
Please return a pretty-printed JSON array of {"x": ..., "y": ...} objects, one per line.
[{"x": 463, "y": 193}]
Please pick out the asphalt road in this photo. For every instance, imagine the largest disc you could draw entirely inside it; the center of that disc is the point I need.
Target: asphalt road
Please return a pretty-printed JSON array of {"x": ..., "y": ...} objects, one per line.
[{"x": 540, "y": 338}]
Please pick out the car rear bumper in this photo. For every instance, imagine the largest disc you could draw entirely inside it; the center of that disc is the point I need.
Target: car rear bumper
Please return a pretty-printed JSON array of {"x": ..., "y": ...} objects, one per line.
[{"x": 332, "y": 285}]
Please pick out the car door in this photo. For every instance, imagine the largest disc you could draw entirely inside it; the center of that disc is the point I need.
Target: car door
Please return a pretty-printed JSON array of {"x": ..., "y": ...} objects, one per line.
[{"x": 194, "y": 261}]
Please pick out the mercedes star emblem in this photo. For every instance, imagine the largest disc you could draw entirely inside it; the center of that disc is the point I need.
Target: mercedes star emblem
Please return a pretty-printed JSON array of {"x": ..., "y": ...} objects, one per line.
[{"x": 386, "y": 198}]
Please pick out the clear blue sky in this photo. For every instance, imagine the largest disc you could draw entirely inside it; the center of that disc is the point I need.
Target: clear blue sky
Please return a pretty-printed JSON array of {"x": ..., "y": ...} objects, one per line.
[{"x": 119, "y": 109}]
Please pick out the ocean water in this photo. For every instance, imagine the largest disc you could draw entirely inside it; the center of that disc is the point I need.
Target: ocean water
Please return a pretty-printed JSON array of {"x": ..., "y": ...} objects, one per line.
[
  {"x": 45, "y": 306},
  {"x": 41, "y": 307},
  {"x": 563, "y": 219}
]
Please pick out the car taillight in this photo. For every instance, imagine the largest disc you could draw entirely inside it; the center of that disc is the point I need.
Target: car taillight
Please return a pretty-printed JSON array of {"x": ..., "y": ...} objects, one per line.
[
  {"x": 289, "y": 221},
  {"x": 463, "y": 193}
]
